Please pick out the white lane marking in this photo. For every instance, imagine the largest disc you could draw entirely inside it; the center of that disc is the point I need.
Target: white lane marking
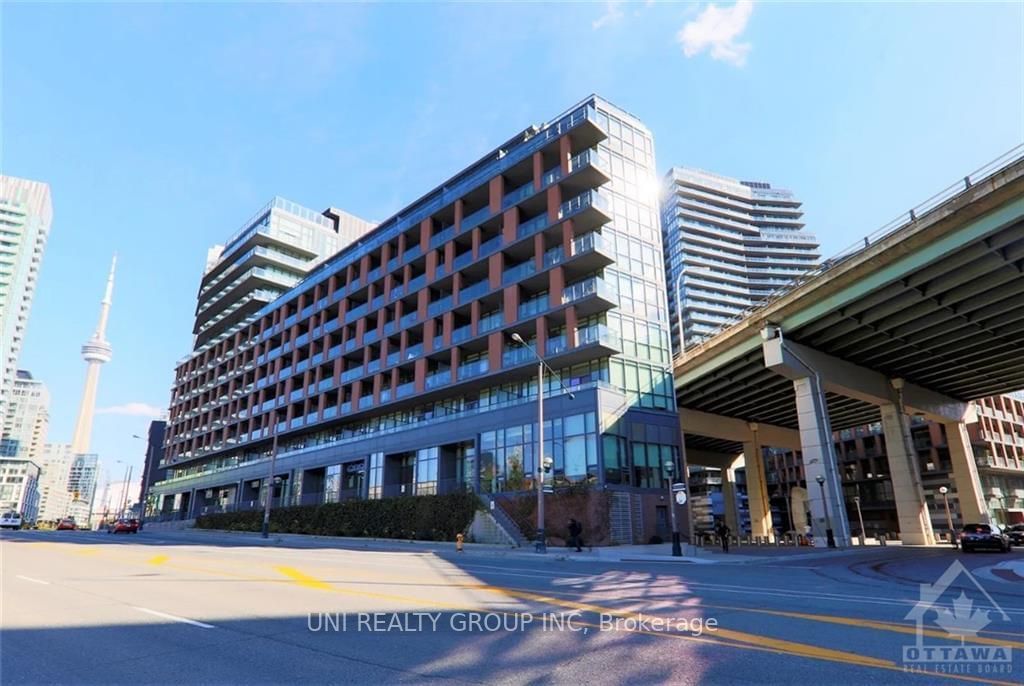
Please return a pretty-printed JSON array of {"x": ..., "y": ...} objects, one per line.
[
  {"x": 35, "y": 581},
  {"x": 174, "y": 617}
]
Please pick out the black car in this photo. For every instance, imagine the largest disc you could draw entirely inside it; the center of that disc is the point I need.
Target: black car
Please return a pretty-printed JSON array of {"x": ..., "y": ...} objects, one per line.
[
  {"x": 981, "y": 536},
  {"x": 1016, "y": 534}
]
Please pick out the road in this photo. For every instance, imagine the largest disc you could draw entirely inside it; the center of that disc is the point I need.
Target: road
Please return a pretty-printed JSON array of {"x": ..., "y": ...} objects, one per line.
[{"x": 220, "y": 608}]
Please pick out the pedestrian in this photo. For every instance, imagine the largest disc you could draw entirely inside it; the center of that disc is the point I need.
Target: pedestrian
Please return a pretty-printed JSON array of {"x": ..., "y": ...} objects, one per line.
[
  {"x": 723, "y": 534},
  {"x": 575, "y": 534}
]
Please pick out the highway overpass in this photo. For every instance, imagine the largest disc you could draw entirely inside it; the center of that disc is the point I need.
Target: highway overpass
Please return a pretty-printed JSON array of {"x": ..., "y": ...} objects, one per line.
[{"x": 919, "y": 318}]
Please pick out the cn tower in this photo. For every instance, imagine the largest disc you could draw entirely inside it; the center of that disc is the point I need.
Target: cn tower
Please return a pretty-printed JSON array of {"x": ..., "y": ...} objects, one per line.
[{"x": 95, "y": 352}]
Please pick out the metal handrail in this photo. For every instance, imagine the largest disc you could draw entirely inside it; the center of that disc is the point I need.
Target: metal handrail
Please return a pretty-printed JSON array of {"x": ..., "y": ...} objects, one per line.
[{"x": 979, "y": 175}]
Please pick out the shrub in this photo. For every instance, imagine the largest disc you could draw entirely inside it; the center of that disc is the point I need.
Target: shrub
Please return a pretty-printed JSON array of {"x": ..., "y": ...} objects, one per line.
[{"x": 425, "y": 518}]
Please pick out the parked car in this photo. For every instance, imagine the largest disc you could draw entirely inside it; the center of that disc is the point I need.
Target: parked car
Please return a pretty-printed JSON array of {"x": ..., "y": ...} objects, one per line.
[
  {"x": 1016, "y": 534},
  {"x": 10, "y": 520},
  {"x": 981, "y": 536},
  {"x": 66, "y": 524},
  {"x": 124, "y": 526}
]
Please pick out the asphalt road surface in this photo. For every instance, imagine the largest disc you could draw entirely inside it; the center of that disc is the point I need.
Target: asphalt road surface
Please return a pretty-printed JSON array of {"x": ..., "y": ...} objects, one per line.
[{"x": 211, "y": 608}]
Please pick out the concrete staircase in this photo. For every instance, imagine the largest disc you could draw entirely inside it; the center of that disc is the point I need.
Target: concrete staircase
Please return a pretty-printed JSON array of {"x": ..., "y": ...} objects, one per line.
[{"x": 493, "y": 525}]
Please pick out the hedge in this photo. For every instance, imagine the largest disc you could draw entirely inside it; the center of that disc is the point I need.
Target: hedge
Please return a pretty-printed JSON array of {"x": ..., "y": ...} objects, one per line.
[{"x": 424, "y": 518}]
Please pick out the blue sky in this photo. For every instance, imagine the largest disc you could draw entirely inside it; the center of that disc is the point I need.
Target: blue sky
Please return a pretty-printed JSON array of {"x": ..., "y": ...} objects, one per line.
[{"x": 162, "y": 128}]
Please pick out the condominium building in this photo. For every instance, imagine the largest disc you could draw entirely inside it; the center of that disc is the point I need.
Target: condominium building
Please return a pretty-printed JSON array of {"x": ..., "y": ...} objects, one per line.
[
  {"x": 271, "y": 253},
  {"x": 728, "y": 245},
  {"x": 82, "y": 478},
  {"x": 54, "y": 496},
  {"x": 18, "y": 487},
  {"x": 998, "y": 440},
  {"x": 26, "y": 418},
  {"x": 151, "y": 470},
  {"x": 391, "y": 369},
  {"x": 25, "y": 217}
]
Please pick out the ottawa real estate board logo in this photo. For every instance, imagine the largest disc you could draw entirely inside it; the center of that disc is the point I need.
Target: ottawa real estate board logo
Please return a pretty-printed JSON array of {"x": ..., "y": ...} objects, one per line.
[{"x": 949, "y": 619}]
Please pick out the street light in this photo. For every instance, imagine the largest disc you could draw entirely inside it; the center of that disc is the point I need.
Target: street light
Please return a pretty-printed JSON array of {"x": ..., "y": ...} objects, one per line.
[
  {"x": 860, "y": 518},
  {"x": 828, "y": 520},
  {"x": 949, "y": 518},
  {"x": 270, "y": 479},
  {"x": 543, "y": 463},
  {"x": 677, "y": 548}
]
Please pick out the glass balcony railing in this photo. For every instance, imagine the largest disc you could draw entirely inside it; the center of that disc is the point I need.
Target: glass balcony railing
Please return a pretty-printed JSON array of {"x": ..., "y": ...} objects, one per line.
[
  {"x": 416, "y": 284},
  {"x": 463, "y": 333},
  {"x": 591, "y": 286},
  {"x": 393, "y": 358},
  {"x": 532, "y": 226},
  {"x": 463, "y": 260},
  {"x": 438, "y": 306},
  {"x": 408, "y": 320},
  {"x": 490, "y": 246},
  {"x": 351, "y": 374},
  {"x": 591, "y": 198},
  {"x": 556, "y": 345},
  {"x": 471, "y": 369},
  {"x": 405, "y": 389},
  {"x": 534, "y": 306},
  {"x": 518, "y": 272},
  {"x": 518, "y": 195},
  {"x": 517, "y": 355},
  {"x": 438, "y": 342},
  {"x": 597, "y": 334},
  {"x": 442, "y": 236},
  {"x": 413, "y": 351},
  {"x": 490, "y": 322},
  {"x": 474, "y": 291},
  {"x": 438, "y": 379},
  {"x": 474, "y": 218},
  {"x": 412, "y": 252}
]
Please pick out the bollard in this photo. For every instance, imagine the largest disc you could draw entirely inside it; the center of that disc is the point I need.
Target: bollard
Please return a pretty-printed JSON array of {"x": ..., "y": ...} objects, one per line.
[{"x": 459, "y": 538}]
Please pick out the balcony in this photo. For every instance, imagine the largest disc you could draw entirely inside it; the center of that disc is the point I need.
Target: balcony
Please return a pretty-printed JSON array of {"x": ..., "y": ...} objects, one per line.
[
  {"x": 474, "y": 291},
  {"x": 438, "y": 379},
  {"x": 472, "y": 220},
  {"x": 591, "y": 295},
  {"x": 472, "y": 369}
]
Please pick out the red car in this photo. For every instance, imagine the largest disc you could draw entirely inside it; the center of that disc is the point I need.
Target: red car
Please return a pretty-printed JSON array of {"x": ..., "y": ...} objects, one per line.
[
  {"x": 127, "y": 526},
  {"x": 67, "y": 524}
]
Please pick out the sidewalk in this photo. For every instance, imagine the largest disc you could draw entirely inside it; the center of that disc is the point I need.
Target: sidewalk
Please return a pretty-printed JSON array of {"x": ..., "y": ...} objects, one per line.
[{"x": 621, "y": 553}]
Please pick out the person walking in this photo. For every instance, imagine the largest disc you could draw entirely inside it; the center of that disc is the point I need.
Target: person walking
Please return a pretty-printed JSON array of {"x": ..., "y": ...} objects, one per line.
[
  {"x": 723, "y": 534},
  {"x": 575, "y": 534}
]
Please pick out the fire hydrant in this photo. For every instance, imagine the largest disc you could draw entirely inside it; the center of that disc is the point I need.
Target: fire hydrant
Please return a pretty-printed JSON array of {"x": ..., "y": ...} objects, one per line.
[{"x": 459, "y": 538}]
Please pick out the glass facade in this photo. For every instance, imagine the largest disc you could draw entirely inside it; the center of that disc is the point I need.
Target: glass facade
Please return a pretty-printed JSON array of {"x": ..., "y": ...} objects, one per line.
[
  {"x": 728, "y": 245},
  {"x": 399, "y": 350}
]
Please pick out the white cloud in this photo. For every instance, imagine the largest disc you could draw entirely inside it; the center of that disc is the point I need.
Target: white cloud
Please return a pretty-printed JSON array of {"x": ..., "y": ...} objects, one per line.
[
  {"x": 133, "y": 410},
  {"x": 612, "y": 14},
  {"x": 716, "y": 29}
]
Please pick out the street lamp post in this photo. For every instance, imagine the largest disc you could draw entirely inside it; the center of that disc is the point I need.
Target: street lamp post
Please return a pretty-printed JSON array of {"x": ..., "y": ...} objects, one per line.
[
  {"x": 949, "y": 518},
  {"x": 677, "y": 548},
  {"x": 829, "y": 536},
  {"x": 543, "y": 463},
  {"x": 270, "y": 479},
  {"x": 860, "y": 518}
]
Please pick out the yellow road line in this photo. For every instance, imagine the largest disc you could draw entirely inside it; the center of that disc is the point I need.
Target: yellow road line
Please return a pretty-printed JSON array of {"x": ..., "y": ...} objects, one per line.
[
  {"x": 735, "y": 639},
  {"x": 304, "y": 580}
]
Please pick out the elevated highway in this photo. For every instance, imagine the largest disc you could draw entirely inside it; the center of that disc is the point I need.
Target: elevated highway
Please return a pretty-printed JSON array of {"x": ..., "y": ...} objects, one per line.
[{"x": 920, "y": 318}]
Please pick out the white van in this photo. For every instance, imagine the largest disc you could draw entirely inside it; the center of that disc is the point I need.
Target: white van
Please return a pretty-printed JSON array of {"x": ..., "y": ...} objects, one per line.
[{"x": 10, "y": 520}]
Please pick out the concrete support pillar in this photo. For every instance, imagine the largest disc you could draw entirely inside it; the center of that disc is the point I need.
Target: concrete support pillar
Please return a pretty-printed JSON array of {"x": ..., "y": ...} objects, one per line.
[
  {"x": 732, "y": 519},
  {"x": 965, "y": 475},
  {"x": 757, "y": 488},
  {"x": 819, "y": 457},
  {"x": 911, "y": 508}
]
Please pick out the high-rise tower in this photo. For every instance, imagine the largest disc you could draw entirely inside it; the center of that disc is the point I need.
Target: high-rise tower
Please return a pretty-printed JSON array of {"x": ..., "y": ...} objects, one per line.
[
  {"x": 729, "y": 244},
  {"x": 25, "y": 217},
  {"x": 95, "y": 352}
]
